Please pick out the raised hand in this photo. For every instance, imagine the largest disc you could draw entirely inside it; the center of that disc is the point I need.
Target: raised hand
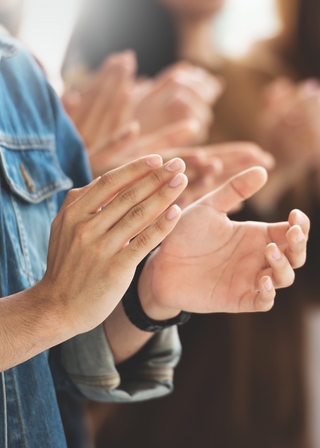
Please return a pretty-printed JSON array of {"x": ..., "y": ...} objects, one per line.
[
  {"x": 181, "y": 92},
  {"x": 113, "y": 152},
  {"x": 104, "y": 104},
  {"x": 212, "y": 264},
  {"x": 102, "y": 232},
  {"x": 210, "y": 166},
  {"x": 289, "y": 129}
]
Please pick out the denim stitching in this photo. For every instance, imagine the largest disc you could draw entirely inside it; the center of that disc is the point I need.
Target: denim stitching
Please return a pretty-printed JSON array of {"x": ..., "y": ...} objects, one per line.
[
  {"x": 5, "y": 422},
  {"x": 22, "y": 431},
  {"x": 23, "y": 243},
  {"x": 52, "y": 207},
  {"x": 65, "y": 182},
  {"x": 46, "y": 143}
]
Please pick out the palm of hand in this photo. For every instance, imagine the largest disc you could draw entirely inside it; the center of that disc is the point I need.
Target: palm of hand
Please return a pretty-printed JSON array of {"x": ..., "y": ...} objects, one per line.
[{"x": 213, "y": 262}]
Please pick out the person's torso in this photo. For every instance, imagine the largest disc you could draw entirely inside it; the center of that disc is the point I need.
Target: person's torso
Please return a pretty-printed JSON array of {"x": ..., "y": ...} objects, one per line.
[{"x": 33, "y": 183}]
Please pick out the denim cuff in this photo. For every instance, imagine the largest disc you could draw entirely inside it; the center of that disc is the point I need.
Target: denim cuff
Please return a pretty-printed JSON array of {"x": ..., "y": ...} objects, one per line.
[{"x": 89, "y": 363}]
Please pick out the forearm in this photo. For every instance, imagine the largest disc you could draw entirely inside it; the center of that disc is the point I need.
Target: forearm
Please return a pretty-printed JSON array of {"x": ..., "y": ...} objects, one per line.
[
  {"x": 124, "y": 338},
  {"x": 29, "y": 325}
]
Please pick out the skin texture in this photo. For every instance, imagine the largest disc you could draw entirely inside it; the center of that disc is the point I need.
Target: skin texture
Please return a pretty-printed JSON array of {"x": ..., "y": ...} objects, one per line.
[
  {"x": 229, "y": 266},
  {"x": 104, "y": 104},
  {"x": 93, "y": 253},
  {"x": 90, "y": 260}
]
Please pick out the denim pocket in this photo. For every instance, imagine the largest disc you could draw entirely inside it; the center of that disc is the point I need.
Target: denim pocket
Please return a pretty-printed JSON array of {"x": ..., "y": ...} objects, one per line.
[{"x": 31, "y": 177}]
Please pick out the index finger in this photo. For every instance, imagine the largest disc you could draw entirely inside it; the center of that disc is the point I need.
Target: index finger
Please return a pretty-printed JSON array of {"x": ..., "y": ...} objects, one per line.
[{"x": 112, "y": 182}]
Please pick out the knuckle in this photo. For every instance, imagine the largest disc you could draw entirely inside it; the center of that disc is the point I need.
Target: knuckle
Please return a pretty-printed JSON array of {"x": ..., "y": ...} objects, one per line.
[
  {"x": 160, "y": 227},
  {"x": 72, "y": 195},
  {"x": 163, "y": 193},
  {"x": 143, "y": 240},
  {"x": 67, "y": 217},
  {"x": 106, "y": 180},
  {"x": 129, "y": 196},
  {"x": 156, "y": 177},
  {"x": 137, "y": 213},
  {"x": 81, "y": 232}
]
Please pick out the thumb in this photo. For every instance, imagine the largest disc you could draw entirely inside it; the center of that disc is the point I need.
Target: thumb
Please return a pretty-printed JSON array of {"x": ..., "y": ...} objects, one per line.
[
  {"x": 236, "y": 190},
  {"x": 76, "y": 193}
]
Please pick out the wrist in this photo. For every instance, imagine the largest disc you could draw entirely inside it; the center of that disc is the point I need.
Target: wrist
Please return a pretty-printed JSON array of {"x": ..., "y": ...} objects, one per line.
[
  {"x": 143, "y": 310},
  {"x": 149, "y": 303},
  {"x": 54, "y": 310}
]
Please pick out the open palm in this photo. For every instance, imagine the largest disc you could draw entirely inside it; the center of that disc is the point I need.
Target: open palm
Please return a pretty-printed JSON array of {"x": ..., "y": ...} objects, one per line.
[{"x": 212, "y": 264}]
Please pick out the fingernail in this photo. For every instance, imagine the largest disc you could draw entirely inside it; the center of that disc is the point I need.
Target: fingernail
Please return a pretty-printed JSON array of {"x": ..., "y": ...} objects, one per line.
[
  {"x": 276, "y": 254},
  {"x": 174, "y": 165},
  {"x": 173, "y": 212},
  {"x": 300, "y": 217},
  {"x": 268, "y": 285},
  {"x": 154, "y": 161},
  {"x": 300, "y": 236},
  {"x": 176, "y": 181}
]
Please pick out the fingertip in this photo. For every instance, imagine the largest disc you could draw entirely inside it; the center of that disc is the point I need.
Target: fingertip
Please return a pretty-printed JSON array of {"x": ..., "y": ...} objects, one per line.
[
  {"x": 296, "y": 216},
  {"x": 179, "y": 180},
  {"x": 267, "y": 284},
  {"x": 154, "y": 160},
  {"x": 296, "y": 234},
  {"x": 173, "y": 212},
  {"x": 267, "y": 294}
]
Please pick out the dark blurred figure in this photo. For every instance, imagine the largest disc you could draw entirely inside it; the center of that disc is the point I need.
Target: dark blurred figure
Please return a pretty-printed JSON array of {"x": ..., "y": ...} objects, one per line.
[
  {"x": 111, "y": 26},
  {"x": 242, "y": 379}
]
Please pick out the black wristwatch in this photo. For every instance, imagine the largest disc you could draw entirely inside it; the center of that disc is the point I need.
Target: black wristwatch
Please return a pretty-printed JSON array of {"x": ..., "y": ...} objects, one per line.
[{"x": 133, "y": 309}]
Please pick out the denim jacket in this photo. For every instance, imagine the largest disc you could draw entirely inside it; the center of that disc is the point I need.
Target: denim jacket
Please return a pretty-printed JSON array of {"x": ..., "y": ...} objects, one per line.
[{"x": 41, "y": 157}]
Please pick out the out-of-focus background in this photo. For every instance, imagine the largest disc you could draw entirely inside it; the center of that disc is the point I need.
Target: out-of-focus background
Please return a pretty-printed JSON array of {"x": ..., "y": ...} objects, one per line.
[
  {"x": 47, "y": 26},
  {"x": 258, "y": 384}
]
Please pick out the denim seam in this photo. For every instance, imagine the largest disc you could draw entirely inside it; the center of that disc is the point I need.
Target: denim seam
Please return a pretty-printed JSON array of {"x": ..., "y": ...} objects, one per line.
[
  {"x": 5, "y": 420},
  {"x": 22, "y": 432},
  {"x": 43, "y": 190},
  {"x": 28, "y": 270},
  {"x": 30, "y": 143},
  {"x": 63, "y": 182}
]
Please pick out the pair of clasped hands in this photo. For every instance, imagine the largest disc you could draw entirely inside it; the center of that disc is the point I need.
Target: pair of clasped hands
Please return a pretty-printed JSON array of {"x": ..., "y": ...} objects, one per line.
[{"x": 206, "y": 262}]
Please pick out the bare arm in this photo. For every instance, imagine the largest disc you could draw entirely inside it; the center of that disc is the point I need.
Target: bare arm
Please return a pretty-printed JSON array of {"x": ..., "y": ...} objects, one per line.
[{"x": 91, "y": 262}]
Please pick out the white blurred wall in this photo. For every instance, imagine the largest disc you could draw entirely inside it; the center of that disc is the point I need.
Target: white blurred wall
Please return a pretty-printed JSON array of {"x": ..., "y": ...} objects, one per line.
[
  {"x": 242, "y": 22},
  {"x": 48, "y": 23},
  {"x": 46, "y": 29}
]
